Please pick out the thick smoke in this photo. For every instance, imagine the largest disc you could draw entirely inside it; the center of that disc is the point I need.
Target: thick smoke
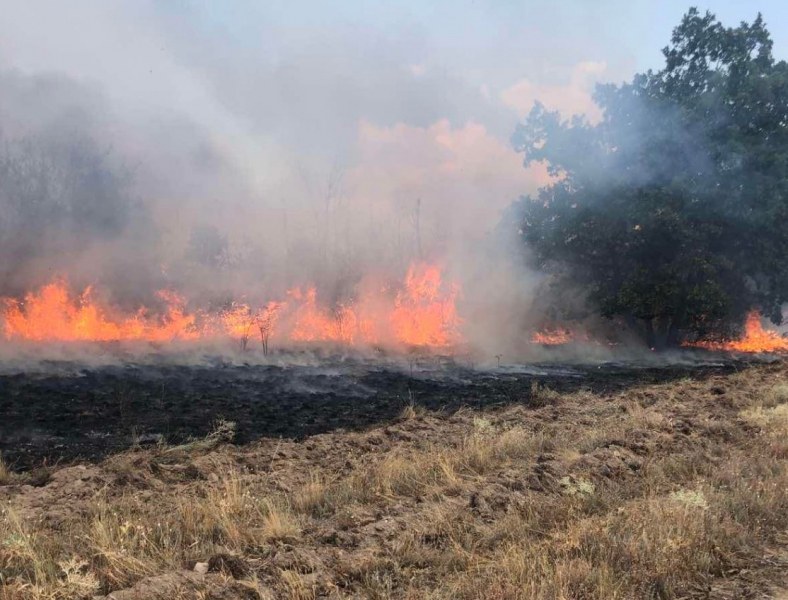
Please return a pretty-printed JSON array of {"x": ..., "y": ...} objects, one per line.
[{"x": 149, "y": 151}]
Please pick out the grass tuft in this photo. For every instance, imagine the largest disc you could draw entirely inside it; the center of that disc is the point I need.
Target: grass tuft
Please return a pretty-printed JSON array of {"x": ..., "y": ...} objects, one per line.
[{"x": 6, "y": 475}]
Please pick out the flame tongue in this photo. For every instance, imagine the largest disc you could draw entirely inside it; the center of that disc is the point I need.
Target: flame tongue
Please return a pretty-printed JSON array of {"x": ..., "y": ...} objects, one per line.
[
  {"x": 755, "y": 339},
  {"x": 53, "y": 314},
  {"x": 422, "y": 313},
  {"x": 317, "y": 324}
]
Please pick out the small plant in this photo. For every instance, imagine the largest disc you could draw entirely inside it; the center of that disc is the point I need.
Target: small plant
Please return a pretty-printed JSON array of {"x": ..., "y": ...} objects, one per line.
[
  {"x": 296, "y": 586},
  {"x": 541, "y": 394},
  {"x": 278, "y": 523},
  {"x": 312, "y": 497},
  {"x": 238, "y": 322},
  {"x": 408, "y": 413},
  {"x": 245, "y": 338},
  {"x": 223, "y": 432},
  {"x": 265, "y": 323},
  {"x": 482, "y": 426},
  {"x": 77, "y": 580},
  {"x": 577, "y": 486},
  {"x": 411, "y": 410},
  {"x": 691, "y": 498},
  {"x": 778, "y": 395}
]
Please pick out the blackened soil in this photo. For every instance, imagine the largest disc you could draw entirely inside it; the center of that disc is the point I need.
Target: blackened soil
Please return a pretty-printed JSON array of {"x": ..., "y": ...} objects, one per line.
[{"x": 75, "y": 414}]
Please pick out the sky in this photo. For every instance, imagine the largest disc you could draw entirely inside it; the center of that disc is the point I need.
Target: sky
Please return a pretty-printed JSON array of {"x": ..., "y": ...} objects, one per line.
[
  {"x": 235, "y": 109},
  {"x": 311, "y": 75}
]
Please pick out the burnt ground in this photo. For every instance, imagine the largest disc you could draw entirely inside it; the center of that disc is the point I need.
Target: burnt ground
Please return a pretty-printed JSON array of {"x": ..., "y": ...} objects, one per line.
[{"x": 66, "y": 413}]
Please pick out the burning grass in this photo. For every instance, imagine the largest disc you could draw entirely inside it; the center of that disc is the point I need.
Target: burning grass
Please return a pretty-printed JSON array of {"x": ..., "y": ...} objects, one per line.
[
  {"x": 552, "y": 337},
  {"x": 754, "y": 339},
  {"x": 666, "y": 490},
  {"x": 419, "y": 311}
]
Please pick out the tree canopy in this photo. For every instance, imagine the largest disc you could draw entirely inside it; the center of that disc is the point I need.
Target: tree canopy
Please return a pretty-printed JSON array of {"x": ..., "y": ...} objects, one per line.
[{"x": 672, "y": 211}]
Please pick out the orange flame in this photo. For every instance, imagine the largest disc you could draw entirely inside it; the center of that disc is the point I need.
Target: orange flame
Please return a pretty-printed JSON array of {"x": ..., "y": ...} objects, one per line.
[
  {"x": 755, "y": 339},
  {"x": 317, "y": 324},
  {"x": 552, "y": 337},
  {"x": 53, "y": 314},
  {"x": 238, "y": 322},
  {"x": 266, "y": 318},
  {"x": 422, "y": 313}
]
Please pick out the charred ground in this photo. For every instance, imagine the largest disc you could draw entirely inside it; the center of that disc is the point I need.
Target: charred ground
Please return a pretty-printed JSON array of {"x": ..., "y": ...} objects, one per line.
[{"x": 68, "y": 412}]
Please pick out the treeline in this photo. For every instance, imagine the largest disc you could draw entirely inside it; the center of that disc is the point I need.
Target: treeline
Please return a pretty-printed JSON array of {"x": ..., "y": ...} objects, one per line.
[
  {"x": 671, "y": 213},
  {"x": 61, "y": 198}
]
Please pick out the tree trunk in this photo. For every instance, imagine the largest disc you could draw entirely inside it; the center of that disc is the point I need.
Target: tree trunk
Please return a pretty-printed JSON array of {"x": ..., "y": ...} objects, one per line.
[
  {"x": 661, "y": 333},
  {"x": 673, "y": 334},
  {"x": 651, "y": 340}
]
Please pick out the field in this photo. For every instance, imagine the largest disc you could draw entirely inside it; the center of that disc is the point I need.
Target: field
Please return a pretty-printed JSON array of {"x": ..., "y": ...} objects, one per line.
[{"x": 355, "y": 482}]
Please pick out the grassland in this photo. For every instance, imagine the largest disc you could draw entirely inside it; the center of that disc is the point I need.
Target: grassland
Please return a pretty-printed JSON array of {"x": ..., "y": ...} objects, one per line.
[{"x": 666, "y": 491}]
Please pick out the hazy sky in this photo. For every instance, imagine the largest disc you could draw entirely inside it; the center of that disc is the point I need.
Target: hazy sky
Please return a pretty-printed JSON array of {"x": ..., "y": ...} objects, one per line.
[
  {"x": 412, "y": 98},
  {"x": 413, "y": 62}
]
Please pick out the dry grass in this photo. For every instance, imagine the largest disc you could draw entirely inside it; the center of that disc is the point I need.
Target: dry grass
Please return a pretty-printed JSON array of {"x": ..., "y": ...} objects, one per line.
[
  {"x": 5, "y": 473},
  {"x": 412, "y": 411},
  {"x": 128, "y": 538},
  {"x": 778, "y": 394},
  {"x": 438, "y": 470},
  {"x": 663, "y": 491},
  {"x": 296, "y": 587},
  {"x": 31, "y": 566}
]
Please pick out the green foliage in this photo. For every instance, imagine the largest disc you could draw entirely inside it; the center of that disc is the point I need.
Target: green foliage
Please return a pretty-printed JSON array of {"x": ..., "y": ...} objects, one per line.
[{"x": 674, "y": 208}]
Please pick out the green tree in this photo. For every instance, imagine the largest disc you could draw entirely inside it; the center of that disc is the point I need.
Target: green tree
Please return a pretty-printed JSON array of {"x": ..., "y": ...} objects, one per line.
[{"x": 672, "y": 212}]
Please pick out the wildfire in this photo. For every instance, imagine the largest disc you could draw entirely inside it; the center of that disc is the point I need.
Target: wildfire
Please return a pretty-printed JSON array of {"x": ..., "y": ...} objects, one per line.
[
  {"x": 314, "y": 323},
  {"x": 552, "y": 337},
  {"x": 755, "y": 339},
  {"x": 53, "y": 314},
  {"x": 239, "y": 321},
  {"x": 422, "y": 312}
]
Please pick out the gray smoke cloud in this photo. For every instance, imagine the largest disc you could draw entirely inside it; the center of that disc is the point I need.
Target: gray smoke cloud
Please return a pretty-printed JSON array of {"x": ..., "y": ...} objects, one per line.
[{"x": 149, "y": 145}]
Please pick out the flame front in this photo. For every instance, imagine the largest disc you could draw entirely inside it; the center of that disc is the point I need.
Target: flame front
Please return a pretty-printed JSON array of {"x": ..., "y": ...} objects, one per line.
[
  {"x": 421, "y": 313},
  {"x": 53, "y": 314},
  {"x": 754, "y": 339}
]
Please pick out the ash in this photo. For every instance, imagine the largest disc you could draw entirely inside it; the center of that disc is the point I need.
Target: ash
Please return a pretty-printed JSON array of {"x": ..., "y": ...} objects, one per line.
[{"x": 66, "y": 411}]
